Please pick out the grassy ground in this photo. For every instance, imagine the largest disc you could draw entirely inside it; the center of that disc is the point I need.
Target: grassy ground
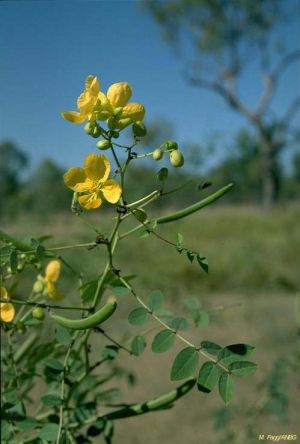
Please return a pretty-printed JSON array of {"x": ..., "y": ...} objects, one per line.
[{"x": 254, "y": 270}]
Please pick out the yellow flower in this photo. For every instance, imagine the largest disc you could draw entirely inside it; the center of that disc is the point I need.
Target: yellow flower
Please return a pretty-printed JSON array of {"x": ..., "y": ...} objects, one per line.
[
  {"x": 88, "y": 103},
  {"x": 117, "y": 106},
  {"x": 7, "y": 310},
  {"x": 51, "y": 276},
  {"x": 93, "y": 182}
]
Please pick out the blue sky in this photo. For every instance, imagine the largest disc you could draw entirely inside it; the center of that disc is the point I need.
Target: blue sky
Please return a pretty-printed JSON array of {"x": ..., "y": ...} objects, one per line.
[{"x": 48, "y": 48}]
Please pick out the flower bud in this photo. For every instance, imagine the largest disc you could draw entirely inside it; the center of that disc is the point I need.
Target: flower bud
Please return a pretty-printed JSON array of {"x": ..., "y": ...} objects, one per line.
[
  {"x": 21, "y": 327},
  {"x": 111, "y": 123},
  {"x": 38, "y": 286},
  {"x": 115, "y": 134},
  {"x": 162, "y": 175},
  {"x": 38, "y": 313},
  {"x": 176, "y": 158},
  {"x": 122, "y": 123},
  {"x": 103, "y": 144},
  {"x": 171, "y": 145},
  {"x": 157, "y": 154},
  {"x": 118, "y": 111},
  {"x": 88, "y": 128},
  {"x": 97, "y": 131},
  {"x": 139, "y": 129}
]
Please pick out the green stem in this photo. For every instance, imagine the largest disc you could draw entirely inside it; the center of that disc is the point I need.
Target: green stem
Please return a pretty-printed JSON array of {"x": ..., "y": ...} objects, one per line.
[
  {"x": 42, "y": 305},
  {"x": 144, "y": 200}
]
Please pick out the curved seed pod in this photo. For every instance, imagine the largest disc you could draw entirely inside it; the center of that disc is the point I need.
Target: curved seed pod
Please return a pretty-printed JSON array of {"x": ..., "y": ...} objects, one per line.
[
  {"x": 91, "y": 321},
  {"x": 193, "y": 208}
]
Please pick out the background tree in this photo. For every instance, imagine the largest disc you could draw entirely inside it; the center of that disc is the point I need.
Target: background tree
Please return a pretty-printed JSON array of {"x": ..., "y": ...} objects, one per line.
[
  {"x": 220, "y": 42},
  {"x": 13, "y": 162}
]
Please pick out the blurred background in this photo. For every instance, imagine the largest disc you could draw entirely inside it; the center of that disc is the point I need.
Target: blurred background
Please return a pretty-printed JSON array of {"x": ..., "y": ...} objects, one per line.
[{"x": 222, "y": 79}]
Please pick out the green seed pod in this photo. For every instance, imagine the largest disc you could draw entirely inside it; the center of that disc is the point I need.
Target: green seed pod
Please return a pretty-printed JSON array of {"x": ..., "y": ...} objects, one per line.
[
  {"x": 140, "y": 215},
  {"x": 91, "y": 321},
  {"x": 171, "y": 145},
  {"x": 111, "y": 123},
  {"x": 38, "y": 313},
  {"x": 157, "y": 154},
  {"x": 103, "y": 144},
  {"x": 139, "y": 129},
  {"x": 38, "y": 286},
  {"x": 176, "y": 158}
]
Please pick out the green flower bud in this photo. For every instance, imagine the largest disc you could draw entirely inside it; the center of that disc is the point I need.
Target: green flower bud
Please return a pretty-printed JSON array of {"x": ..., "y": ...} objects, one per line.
[
  {"x": 21, "y": 327},
  {"x": 115, "y": 134},
  {"x": 111, "y": 123},
  {"x": 38, "y": 286},
  {"x": 97, "y": 131},
  {"x": 118, "y": 111},
  {"x": 176, "y": 158},
  {"x": 139, "y": 129},
  {"x": 162, "y": 175},
  {"x": 38, "y": 313},
  {"x": 122, "y": 123},
  {"x": 171, "y": 145},
  {"x": 89, "y": 127},
  {"x": 140, "y": 215},
  {"x": 157, "y": 154},
  {"x": 103, "y": 144}
]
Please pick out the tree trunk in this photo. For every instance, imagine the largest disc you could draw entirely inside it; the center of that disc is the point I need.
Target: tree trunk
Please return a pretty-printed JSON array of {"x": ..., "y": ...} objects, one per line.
[{"x": 270, "y": 173}]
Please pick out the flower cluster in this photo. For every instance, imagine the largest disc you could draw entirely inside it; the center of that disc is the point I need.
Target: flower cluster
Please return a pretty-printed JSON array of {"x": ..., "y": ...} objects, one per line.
[
  {"x": 7, "y": 310},
  {"x": 112, "y": 107}
]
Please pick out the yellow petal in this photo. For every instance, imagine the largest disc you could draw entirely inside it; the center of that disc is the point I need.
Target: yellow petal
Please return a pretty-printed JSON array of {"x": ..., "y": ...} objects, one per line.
[
  {"x": 84, "y": 186},
  {"x": 111, "y": 191},
  {"x": 119, "y": 93},
  {"x": 90, "y": 201},
  {"x": 134, "y": 111},
  {"x": 52, "y": 271},
  {"x": 74, "y": 176},
  {"x": 3, "y": 293},
  {"x": 92, "y": 85},
  {"x": 73, "y": 116},
  {"x": 86, "y": 103},
  {"x": 97, "y": 167},
  {"x": 7, "y": 312},
  {"x": 53, "y": 292}
]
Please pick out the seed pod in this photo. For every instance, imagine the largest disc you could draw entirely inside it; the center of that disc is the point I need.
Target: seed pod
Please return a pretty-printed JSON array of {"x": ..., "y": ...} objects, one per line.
[
  {"x": 139, "y": 129},
  {"x": 171, "y": 145},
  {"x": 176, "y": 158},
  {"x": 38, "y": 313},
  {"x": 103, "y": 144},
  {"x": 157, "y": 154},
  {"x": 91, "y": 321}
]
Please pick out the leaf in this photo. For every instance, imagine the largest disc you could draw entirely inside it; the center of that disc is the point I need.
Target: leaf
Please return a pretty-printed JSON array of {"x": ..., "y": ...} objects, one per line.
[
  {"x": 179, "y": 249},
  {"x": 208, "y": 377},
  {"x": 201, "y": 318},
  {"x": 138, "y": 316},
  {"x": 62, "y": 336},
  {"x": 49, "y": 432},
  {"x": 140, "y": 215},
  {"x": 110, "y": 352},
  {"x": 40, "y": 252},
  {"x": 121, "y": 291},
  {"x": 211, "y": 347},
  {"x": 179, "y": 324},
  {"x": 156, "y": 299},
  {"x": 51, "y": 398},
  {"x": 144, "y": 234},
  {"x": 138, "y": 345},
  {"x": 163, "y": 341},
  {"x": 242, "y": 368},
  {"x": 13, "y": 261},
  {"x": 54, "y": 364},
  {"x": 162, "y": 174},
  {"x": 193, "y": 303},
  {"x": 88, "y": 290},
  {"x": 226, "y": 387},
  {"x": 190, "y": 256},
  {"x": 234, "y": 352},
  {"x": 185, "y": 364},
  {"x": 203, "y": 262},
  {"x": 163, "y": 313}
]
